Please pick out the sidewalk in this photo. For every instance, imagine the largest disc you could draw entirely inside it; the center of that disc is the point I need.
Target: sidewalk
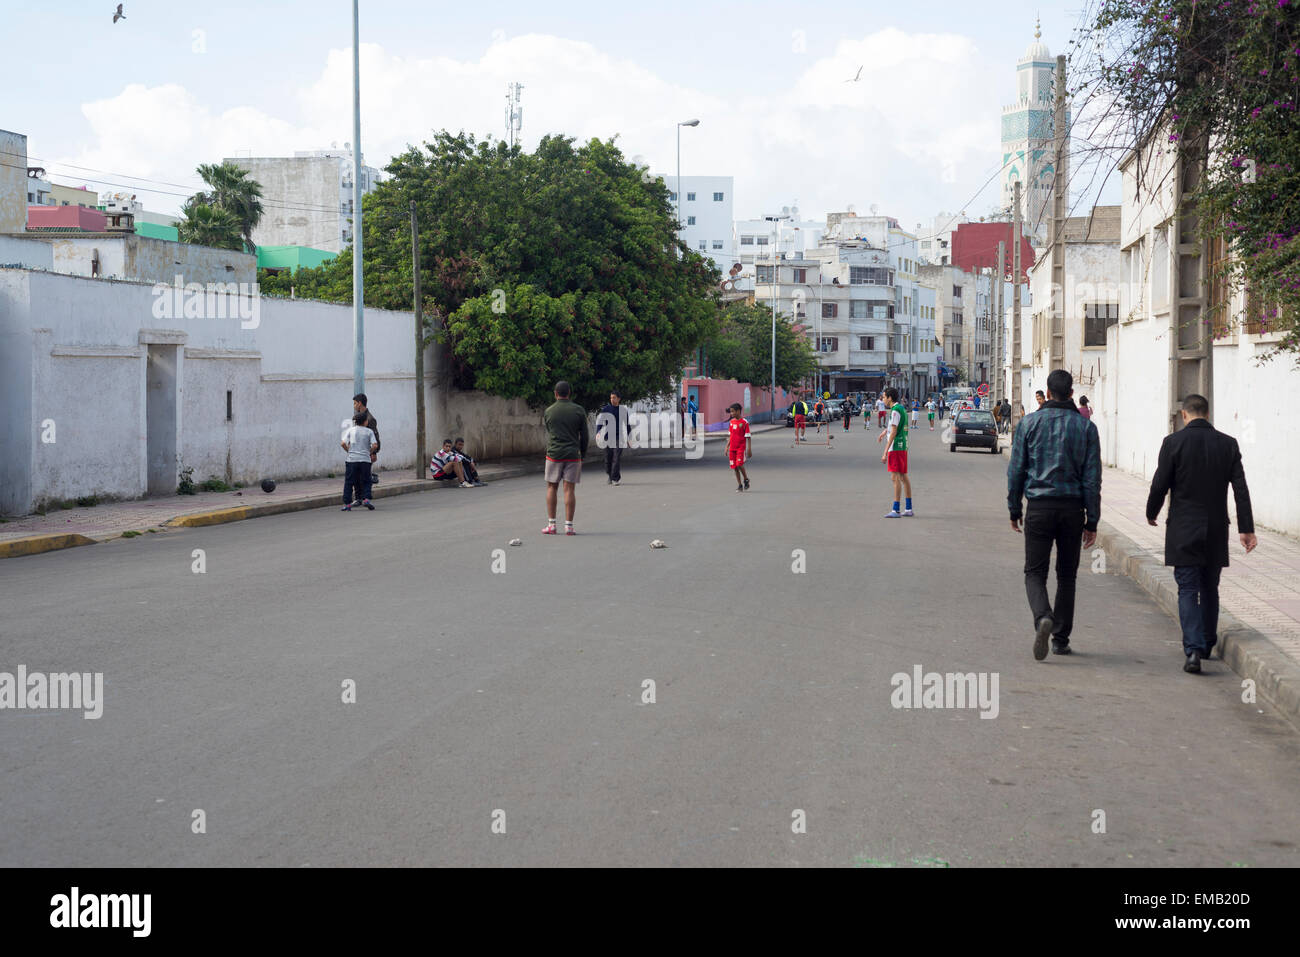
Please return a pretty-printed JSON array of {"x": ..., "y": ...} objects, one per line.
[{"x": 68, "y": 528}]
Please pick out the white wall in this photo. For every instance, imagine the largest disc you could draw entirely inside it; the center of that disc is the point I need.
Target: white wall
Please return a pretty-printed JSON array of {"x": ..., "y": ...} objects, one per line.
[
  {"x": 19, "y": 251},
  {"x": 13, "y": 182},
  {"x": 74, "y": 350}
]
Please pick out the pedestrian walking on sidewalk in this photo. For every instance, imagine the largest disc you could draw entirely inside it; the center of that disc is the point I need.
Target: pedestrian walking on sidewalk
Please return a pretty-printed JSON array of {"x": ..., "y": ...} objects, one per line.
[
  {"x": 359, "y": 443},
  {"x": 1196, "y": 465},
  {"x": 611, "y": 435},
  {"x": 895, "y": 455},
  {"x": 1055, "y": 466},
  {"x": 566, "y": 446}
]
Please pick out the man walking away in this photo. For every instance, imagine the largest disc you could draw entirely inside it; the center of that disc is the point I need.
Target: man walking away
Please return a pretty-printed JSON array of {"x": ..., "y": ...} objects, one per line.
[
  {"x": 895, "y": 455},
  {"x": 566, "y": 444},
  {"x": 611, "y": 432},
  {"x": 799, "y": 409},
  {"x": 1056, "y": 466},
  {"x": 692, "y": 408},
  {"x": 1196, "y": 465}
]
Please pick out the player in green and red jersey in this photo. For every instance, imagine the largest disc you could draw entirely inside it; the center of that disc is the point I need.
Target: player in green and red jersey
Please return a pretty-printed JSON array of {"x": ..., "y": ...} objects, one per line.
[{"x": 895, "y": 454}]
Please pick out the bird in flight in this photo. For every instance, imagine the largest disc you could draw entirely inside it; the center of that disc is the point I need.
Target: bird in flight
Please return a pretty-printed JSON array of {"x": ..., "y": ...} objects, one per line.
[
  {"x": 119, "y": 15},
  {"x": 855, "y": 79}
]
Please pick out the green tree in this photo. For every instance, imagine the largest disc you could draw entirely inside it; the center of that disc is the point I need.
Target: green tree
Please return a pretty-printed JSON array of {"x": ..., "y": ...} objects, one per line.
[
  {"x": 561, "y": 263},
  {"x": 742, "y": 347},
  {"x": 231, "y": 189},
  {"x": 204, "y": 225}
]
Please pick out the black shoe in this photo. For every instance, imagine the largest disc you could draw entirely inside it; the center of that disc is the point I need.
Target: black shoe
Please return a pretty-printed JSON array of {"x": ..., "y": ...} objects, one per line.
[
  {"x": 374, "y": 480},
  {"x": 746, "y": 485},
  {"x": 1193, "y": 664},
  {"x": 1060, "y": 646},
  {"x": 1042, "y": 631},
  {"x": 1209, "y": 653}
]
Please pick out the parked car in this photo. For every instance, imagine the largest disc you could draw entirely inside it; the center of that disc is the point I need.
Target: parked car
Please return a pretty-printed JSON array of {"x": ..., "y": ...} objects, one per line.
[{"x": 974, "y": 428}]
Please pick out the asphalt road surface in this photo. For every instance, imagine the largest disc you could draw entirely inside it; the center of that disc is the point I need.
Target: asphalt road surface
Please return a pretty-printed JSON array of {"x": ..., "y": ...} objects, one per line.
[{"x": 517, "y": 699}]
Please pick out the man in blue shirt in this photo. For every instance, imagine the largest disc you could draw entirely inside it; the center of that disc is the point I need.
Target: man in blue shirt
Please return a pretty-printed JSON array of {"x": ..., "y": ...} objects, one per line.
[{"x": 1055, "y": 465}]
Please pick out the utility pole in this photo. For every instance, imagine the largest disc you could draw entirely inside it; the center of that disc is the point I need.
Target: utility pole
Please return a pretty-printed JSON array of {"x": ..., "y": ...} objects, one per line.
[
  {"x": 514, "y": 113},
  {"x": 1059, "y": 187},
  {"x": 358, "y": 284},
  {"x": 998, "y": 292},
  {"x": 419, "y": 348},
  {"x": 1017, "y": 398}
]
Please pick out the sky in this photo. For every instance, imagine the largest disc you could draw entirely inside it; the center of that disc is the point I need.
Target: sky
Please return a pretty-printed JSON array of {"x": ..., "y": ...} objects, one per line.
[{"x": 137, "y": 105}]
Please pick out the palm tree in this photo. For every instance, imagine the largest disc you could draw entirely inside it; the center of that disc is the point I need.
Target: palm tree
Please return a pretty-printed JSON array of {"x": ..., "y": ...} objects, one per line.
[
  {"x": 230, "y": 189},
  {"x": 206, "y": 225}
]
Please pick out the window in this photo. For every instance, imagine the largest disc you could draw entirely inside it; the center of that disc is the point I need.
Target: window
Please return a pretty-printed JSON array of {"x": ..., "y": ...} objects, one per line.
[
  {"x": 746, "y": 240},
  {"x": 717, "y": 244},
  {"x": 1096, "y": 317},
  {"x": 830, "y": 310},
  {"x": 764, "y": 274},
  {"x": 762, "y": 240},
  {"x": 801, "y": 275},
  {"x": 867, "y": 343},
  {"x": 956, "y": 292},
  {"x": 870, "y": 276},
  {"x": 830, "y": 344},
  {"x": 717, "y": 197},
  {"x": 690, "y": 220},
  {"x": 859, "y": 309},
  {"x": 957, "y": 349},
  {"x": 704, "y": 244},
  {"x": 690, "y": 197},
  {"x": 672, "y": 197},
  {"x": 956, "y": 317}
]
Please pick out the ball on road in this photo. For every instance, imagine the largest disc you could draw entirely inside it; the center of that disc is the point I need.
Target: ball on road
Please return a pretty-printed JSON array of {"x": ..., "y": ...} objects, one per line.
[{"x": 268, "y": 485}]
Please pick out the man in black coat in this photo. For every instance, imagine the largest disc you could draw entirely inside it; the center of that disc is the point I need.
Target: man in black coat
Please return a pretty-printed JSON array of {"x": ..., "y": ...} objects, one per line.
[
  {"x": 612, "y": 426},
  {"x": 1196, "y": 466}
]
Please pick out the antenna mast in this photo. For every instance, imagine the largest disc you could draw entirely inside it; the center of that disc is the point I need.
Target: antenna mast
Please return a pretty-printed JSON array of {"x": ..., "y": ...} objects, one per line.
[{"x": 514, "y": 113}]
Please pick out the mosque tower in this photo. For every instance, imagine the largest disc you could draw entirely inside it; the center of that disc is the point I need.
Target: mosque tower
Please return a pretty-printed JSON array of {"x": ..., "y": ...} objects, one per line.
[{"x": 1027, "y": 147}]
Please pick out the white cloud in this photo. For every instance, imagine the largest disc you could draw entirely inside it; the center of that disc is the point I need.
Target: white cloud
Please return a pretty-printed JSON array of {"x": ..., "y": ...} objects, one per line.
[{"x": 919, "y": 131}]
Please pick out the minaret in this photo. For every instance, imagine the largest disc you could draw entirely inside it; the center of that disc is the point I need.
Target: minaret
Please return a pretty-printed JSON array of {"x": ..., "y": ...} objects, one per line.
[{"x": 1027, "y": 137}]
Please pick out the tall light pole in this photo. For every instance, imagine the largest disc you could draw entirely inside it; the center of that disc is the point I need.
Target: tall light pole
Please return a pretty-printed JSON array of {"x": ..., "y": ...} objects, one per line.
[
  {"x": 776, "y": 260},
  {"x": 679, "y": 168},
  {"x": 358, "y": 306}
]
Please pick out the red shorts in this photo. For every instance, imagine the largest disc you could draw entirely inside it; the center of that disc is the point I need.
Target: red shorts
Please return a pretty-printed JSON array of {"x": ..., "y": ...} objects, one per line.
[
  {"x": 896, "y": 462},
  {"x": 736, "y": 457},
  {"x": 798, "y": 421}
]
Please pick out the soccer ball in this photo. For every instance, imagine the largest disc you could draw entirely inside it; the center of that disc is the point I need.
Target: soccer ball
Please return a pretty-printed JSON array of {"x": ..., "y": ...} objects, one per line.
[{"x": 268, "y": 485}]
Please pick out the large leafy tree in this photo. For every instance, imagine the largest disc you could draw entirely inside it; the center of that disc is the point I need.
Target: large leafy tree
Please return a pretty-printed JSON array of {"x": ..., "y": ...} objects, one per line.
[
  {"x": 742, "y": 347},
  {"x": 1219, "y": 82},
  {"x": 563, "y": 263}
]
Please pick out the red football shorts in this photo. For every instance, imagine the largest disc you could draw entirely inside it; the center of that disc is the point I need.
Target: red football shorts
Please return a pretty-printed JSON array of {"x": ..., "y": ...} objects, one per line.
[
  {"x": 798, "y": 421},
  {"x": 896, "y": 462},
  {"x": 736, "y": 457}
]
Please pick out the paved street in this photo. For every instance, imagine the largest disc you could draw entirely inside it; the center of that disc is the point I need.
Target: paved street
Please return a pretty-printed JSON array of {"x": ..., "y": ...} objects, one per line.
[{"x": 522, "y": 691}]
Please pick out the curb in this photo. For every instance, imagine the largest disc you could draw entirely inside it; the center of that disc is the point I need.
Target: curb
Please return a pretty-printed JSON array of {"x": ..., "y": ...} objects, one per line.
[
  {"x": 35, "y": 544},
  {"x": 1245, "y": 650}
]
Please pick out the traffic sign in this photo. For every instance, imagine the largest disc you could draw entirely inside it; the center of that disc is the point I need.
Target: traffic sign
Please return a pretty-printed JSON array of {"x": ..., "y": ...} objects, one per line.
[{"x": 983, "y": 390}]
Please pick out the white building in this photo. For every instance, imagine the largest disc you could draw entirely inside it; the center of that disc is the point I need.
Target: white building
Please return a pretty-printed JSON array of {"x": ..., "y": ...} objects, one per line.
[
  {"x": 934, "y": 239},
  {"x": 1069, "y": 331},
  {"x": 1027, "y": 139},
  {"x": 706, "y": 215},
  {"x": 754, "y": 239},
  {"x": 308, "y": 197},
  {"x": 857, "y": 296},
  {"x": 39, "y": 188}
]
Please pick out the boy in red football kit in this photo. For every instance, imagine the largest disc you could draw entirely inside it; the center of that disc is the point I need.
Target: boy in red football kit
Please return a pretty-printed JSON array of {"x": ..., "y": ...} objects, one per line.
[{"x": 739, "y": 446}]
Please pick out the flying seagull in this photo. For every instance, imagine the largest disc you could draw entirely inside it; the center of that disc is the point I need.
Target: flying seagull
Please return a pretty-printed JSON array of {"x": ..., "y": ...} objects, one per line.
[
  {"x": 857, "y": 77},
  {"x": 119, "y": 15}
]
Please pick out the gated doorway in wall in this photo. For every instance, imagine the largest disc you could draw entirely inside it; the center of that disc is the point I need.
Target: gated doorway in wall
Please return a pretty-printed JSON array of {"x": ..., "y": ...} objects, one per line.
[{"x": 162, "y": 398}]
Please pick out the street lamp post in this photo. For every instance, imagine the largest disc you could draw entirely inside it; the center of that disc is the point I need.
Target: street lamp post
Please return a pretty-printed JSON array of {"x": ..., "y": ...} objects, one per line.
[
  {"x": 776, "y": 259},
  {"x": 679, "y": 168},
  {"x": 358, "y": 285}
]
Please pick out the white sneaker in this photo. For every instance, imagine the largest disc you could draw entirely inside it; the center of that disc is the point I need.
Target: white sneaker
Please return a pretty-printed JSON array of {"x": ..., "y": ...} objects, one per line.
[{"x": 466, "y": 485}]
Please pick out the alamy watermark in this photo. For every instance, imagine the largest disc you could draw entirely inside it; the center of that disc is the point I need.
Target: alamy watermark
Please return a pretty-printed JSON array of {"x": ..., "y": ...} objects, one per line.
[
  {"x": 650, "y": 430},
  {"x": 37, "y": 691},
  {"x": 950, "y": 690},
  {"x": 213, "y": 300}
]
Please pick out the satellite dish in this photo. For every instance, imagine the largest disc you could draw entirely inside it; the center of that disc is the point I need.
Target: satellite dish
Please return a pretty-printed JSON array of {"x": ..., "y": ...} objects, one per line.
[
  {"x": 874, "y": 208},
  {"x": 785, "y": 210}
]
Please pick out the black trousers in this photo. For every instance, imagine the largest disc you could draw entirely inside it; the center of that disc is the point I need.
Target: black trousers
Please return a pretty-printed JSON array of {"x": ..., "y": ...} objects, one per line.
[
  {"x": 613, "y": 457},
  {"x": 1051, "y": 522},
  {"x": 356, "y": 482}
]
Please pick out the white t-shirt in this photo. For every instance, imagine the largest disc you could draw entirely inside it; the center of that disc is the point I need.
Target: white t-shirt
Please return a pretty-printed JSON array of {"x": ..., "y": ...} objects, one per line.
[
  {"x": 929, "y": 406},
  {"x": 880, "y": 405},
  {"x": 359, "y": 440}
]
